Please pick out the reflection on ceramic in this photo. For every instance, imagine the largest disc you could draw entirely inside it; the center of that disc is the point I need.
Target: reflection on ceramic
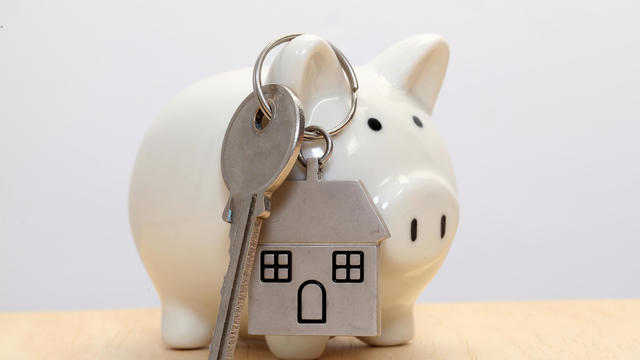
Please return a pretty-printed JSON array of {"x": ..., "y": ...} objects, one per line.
[{"x": 177, "y": 193}]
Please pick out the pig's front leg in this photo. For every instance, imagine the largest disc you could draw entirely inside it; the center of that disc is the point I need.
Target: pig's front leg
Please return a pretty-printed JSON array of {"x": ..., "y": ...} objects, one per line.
[
  {"x": 297, "y": 346},
  {"x": 185, "y": 325},
  {"x": 397, "y": 327}
]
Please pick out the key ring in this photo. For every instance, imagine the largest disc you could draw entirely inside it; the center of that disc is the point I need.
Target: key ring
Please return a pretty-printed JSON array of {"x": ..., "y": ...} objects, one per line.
[
  {"x": 328, "y": 149},
  {"x": 309, "y": 134}
]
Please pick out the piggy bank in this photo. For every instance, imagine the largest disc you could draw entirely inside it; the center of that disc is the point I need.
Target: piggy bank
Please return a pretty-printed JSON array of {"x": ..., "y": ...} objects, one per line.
[{"x": 177, "y": 193}]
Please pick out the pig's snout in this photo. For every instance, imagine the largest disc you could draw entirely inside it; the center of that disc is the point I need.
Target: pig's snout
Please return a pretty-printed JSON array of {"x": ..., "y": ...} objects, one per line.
[{"x": 422, "y": 216}]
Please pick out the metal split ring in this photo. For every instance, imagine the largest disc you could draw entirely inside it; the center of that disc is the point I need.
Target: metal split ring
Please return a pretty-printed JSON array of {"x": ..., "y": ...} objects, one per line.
[
  {"x": 346, "y": 67},
  {"x": 328, "y": 148}
]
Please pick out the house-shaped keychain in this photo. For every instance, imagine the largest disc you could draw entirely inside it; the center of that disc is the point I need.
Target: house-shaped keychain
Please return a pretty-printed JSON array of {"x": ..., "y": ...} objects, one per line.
[{"x": 316, "y": 265}]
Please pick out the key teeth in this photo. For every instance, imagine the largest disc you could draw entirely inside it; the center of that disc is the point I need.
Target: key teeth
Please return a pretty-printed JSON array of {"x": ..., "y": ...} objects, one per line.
[
  {"x": 227, "y": 214},
  {"x": 262, "y": 207}
]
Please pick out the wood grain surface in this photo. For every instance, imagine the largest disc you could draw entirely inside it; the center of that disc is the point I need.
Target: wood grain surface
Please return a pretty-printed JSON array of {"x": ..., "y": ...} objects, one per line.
[{"x": 604, "y": 329}]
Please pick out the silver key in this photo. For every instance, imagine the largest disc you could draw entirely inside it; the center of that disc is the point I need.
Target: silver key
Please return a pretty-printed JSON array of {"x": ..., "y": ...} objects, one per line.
[{"x": 256, "y": 158}]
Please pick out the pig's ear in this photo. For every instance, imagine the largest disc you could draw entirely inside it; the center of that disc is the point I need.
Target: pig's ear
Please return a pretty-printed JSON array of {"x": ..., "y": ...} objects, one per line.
[
  {"x": 308, "y": 66},
  {"x": 416, "y": 65}
]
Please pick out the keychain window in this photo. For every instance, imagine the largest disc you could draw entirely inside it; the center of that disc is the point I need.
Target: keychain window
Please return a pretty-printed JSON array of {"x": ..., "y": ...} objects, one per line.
[
  {"x": 348, "y": 266},
  {"x": 275, "y": 266}
]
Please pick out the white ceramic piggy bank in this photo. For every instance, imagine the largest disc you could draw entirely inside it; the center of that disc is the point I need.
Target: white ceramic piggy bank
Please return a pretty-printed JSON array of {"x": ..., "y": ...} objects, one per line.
[{"x": 177, "y": 193}]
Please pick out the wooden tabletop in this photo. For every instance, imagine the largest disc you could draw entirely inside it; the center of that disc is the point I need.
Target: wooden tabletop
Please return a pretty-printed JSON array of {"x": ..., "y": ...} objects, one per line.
[{"x": 605, "y": 329}]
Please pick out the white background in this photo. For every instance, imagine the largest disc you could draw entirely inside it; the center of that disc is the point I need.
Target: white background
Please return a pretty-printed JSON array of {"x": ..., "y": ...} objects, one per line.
[{"x": 539, "y": 110}]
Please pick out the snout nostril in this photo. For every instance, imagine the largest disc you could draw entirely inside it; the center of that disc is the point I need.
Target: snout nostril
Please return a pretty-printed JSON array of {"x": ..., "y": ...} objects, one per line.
[
  {"x": 443, "y": 226},
  {"x": 414, "y": 229}
]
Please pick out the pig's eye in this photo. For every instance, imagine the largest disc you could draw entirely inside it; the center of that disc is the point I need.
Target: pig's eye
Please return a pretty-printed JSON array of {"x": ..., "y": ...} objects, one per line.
[
  {"x": 443, "y": 226},
  {"x": 374, "y": 124},
  {"x": 417, "y": 121}
]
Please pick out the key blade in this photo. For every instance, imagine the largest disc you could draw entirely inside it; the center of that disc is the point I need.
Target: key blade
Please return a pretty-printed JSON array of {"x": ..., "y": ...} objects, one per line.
[{"x": 242, "y": 249}]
